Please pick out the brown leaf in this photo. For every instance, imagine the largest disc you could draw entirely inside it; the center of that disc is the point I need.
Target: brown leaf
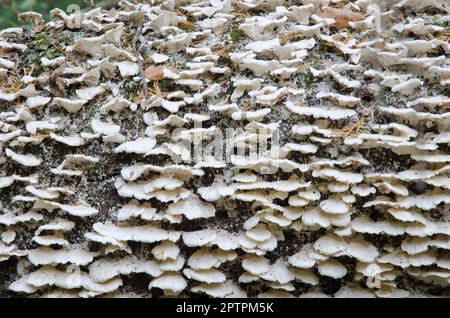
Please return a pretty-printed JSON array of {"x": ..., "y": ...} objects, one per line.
[
  {"x": 342, "y": 17},
  {"x": 157, "y": 73},
  {"x": 139, "y": 99},
  {"x": 57, "y": 83}
]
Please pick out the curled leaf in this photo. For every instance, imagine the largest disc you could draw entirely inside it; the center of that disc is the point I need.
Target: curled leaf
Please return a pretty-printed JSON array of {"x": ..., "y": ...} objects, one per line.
[
  {"x": 157, "y": 73},
  {"x": 342, "y": 17}
]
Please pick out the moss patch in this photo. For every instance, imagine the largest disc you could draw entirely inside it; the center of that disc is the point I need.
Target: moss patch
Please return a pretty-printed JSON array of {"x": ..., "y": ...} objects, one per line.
[{"x": 237, "y": 35}]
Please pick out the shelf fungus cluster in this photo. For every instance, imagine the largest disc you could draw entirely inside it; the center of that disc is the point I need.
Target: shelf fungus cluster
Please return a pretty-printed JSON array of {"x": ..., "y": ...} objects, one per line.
[{"x": 227, "y": 148}]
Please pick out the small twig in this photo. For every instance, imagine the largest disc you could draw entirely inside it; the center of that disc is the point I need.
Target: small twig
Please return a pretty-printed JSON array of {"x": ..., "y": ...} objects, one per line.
[{"x": 139, "y": 22}]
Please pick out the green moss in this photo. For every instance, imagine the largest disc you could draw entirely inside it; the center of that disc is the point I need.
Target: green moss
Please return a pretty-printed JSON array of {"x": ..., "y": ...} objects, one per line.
[
  {"x": 132, "y": 90},
  {"x": 236, "y": 35},
  {"x": 147, "y": 60},
  {"x": 133, "y": 95},
  {"x": 444, "y": 24},
  {"x": 190, "y": 29},
  {"x": 52, "y": 53},
  {"x": 164, "y": 85},
  {"x": 45, "y": 45},
  {"x": 224, "y": 61},
  {"x": 33, "y": 59},
  {"x": 187, "y": 26},
  {"x": 42, "y": 41},
  {"x": 305, "y": 79},
  {"x": 317, "y": 65}
]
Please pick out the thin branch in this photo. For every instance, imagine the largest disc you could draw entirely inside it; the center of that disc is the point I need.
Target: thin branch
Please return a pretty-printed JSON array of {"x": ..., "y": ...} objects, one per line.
[{"x": 137, "y": 50}]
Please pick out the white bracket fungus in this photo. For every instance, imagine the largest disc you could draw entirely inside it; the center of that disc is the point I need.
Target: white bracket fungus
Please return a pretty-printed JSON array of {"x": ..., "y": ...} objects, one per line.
[{"x": 292, "y": 143}]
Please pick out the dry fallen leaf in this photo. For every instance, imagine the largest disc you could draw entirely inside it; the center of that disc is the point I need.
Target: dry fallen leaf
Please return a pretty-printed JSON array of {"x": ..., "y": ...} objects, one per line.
[
  {"x": 246, "y": 106},
  {"x": 56, "y": 82},
  {"x": 139, "y": 99},
  {"x": 12, "y": 86},
  {"x": 342, "y": 17},
  {"x": 157, "y": 73}
]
